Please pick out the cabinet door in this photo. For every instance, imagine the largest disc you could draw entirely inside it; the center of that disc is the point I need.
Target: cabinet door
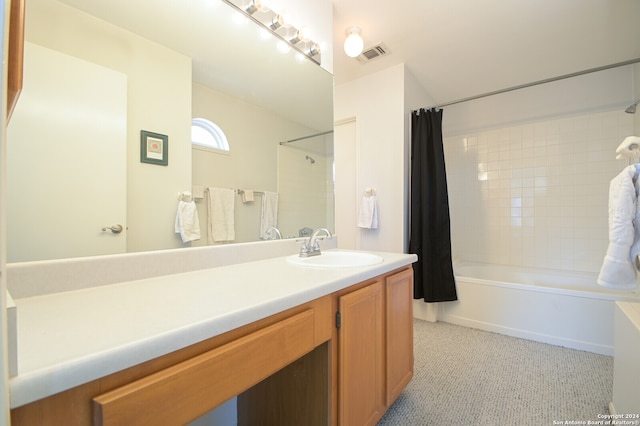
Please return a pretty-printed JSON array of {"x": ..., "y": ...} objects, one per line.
[
  {"x": 399, "y": 343},
  {"x": 361, "y": 368}
]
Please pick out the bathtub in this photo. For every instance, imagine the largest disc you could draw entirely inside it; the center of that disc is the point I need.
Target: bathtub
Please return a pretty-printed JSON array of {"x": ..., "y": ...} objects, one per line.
[{"x": 550, "y": 306}]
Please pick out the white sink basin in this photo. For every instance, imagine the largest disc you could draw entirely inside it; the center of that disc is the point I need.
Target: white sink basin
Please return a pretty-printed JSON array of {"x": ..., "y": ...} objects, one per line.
[{"x": 336, "y": 259}]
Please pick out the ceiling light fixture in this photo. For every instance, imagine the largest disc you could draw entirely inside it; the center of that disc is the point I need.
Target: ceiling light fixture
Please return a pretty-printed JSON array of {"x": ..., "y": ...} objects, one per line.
[{"x": 353, "y": 44}]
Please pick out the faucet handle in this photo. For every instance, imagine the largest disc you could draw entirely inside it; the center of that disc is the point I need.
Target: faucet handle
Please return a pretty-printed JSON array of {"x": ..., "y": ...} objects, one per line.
[{"x": 304, "y": 247}]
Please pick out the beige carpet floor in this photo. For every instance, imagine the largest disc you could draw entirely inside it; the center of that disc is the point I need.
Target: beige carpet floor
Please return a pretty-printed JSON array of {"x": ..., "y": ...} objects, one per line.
[{"x": 467, "y": 377}]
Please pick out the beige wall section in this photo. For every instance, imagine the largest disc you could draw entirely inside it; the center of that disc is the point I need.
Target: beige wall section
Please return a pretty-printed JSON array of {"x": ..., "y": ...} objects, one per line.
[
  {"x": 158, "y": 101},
  {"x": 254, "y": 135},
  {"x": 305, "y": 185},
  {"x": 377, "y": 101}
]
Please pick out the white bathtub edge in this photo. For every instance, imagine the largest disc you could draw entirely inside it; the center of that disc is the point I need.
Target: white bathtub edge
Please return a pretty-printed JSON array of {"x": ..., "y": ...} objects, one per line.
[{"x": 528, "y": 335}]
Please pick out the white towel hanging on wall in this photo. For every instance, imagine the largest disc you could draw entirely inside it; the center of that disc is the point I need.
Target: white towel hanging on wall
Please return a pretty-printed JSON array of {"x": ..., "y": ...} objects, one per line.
[
  {"x": 220, "y": 208},
  {"x": 187, "y": 222},
  {"x": 268, "y": 213},
  {"x": 247, "y": 195},
  {"x": 368, "y": 214}
]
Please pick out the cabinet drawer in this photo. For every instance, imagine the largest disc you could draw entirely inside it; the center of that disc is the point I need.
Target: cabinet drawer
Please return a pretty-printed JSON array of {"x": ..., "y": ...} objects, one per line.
[{"x": 191, "y": 388}]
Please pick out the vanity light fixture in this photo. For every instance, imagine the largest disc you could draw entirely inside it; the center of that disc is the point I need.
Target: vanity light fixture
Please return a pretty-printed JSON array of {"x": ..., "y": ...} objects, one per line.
[
  {"x": 254, "y": 6},
  {"x": 282, "y": 20},
  {"x": 353, "y": 44},
  {"x": 304, "y": 33},
  {"x": 275, "y": 22},
  {"x": 314, "y": 50},
  {"x": 295, "y": 38}
]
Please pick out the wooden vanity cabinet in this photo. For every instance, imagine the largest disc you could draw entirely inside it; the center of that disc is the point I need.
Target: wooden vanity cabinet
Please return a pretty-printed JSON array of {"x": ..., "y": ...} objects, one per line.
[
  {"x": 399, "y": 333},
  {"x": 294, "y": 367},
  {"x": 375, "y": 347},
  {"x": 16, "y": 55},
  {"x": 361, "y": 356}
]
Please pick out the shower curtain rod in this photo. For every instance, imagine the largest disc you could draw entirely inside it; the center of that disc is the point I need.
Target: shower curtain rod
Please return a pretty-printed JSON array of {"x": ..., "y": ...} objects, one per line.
[
  {"x": 306, "y": 137},
  {"x": 536, "y": 83}
]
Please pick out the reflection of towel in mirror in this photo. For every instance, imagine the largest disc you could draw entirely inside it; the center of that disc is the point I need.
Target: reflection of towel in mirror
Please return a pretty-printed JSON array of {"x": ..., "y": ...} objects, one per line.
[
  {"x": 220, "y": 214},
  {"x": 247, "y": 195},
  {"x": 269, "y": 212},
  {"x": 187, "y": 222},
  {"x": 368, "y": 215}
]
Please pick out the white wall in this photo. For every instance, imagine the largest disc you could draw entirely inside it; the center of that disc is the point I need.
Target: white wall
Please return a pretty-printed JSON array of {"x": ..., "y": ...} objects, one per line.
[
  {"x": 306, "y": 196},
  {"x": 5, "y": 413},
  {"x": 529, "y": 171},
  {"x": 158, "y": 101},
  {"x": 377, "y": 103}
]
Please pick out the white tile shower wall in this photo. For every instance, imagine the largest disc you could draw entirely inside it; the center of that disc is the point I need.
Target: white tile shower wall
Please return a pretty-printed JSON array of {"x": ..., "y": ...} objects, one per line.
[{"x": 535, "y": 194}]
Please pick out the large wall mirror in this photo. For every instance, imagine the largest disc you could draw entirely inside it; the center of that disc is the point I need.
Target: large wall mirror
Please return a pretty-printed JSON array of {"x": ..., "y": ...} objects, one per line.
[{"x": 98, "y": 73}]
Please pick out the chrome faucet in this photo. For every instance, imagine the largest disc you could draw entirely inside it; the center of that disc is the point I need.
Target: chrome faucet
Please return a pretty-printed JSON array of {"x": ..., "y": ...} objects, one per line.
[
  {"x": 273, "y": 230},
  {"x": 311, "y": 247}
]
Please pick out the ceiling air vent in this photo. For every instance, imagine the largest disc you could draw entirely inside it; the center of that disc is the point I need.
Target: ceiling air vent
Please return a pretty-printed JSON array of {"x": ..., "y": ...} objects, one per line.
[{"x": 372, "y": 53}]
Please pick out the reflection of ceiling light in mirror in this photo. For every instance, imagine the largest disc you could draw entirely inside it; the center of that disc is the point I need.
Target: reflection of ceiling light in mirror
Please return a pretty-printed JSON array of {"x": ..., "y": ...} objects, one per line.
[
  {"x": 283, "y": 47},
  {"x": 240, "y": 20},
  {"x": 287, "y": 18},
  {"x": 305, "y": 33},
  {"x": 212, "y": 4},
  {"x": 264, "y": 33},
  {"x": 353, "y": 44}
]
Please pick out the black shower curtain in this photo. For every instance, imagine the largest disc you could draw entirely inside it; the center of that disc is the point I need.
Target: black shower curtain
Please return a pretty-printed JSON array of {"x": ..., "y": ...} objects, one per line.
[{"x": 430, "y": 236}]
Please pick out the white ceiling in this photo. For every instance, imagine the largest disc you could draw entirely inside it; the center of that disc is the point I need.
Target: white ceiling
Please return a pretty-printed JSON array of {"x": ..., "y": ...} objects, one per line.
[
  {"x": 462, "y": 48},
  {"x": 455, "y": 48}
]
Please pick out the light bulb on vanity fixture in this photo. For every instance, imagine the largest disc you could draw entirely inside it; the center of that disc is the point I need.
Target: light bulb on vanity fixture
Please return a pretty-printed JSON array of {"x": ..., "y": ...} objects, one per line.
[
  {"x": 353, "y": 44},
  {"x": 281, "y": 20},
  {"x": 256, "y": 5},
  {"x": 281, "y": 25}
]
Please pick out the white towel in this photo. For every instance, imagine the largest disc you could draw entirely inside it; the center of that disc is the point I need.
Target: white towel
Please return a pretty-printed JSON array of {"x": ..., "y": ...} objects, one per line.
[
  {"x": 198, "y": 192},
  {"x": 368, "y": 215},
  {"x": 269, "y": 213},
  {"x": 220, "y": 209},
  {"x": 618, "y": 271},
  {"x": 247, "y": 195},
  {"x": 187, "y": 222}
]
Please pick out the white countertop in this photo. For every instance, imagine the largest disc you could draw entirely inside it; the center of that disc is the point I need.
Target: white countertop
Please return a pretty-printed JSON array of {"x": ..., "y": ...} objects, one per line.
[
  {"x": 70, "y": 338},
  {"x": 632, "y": 311}
]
